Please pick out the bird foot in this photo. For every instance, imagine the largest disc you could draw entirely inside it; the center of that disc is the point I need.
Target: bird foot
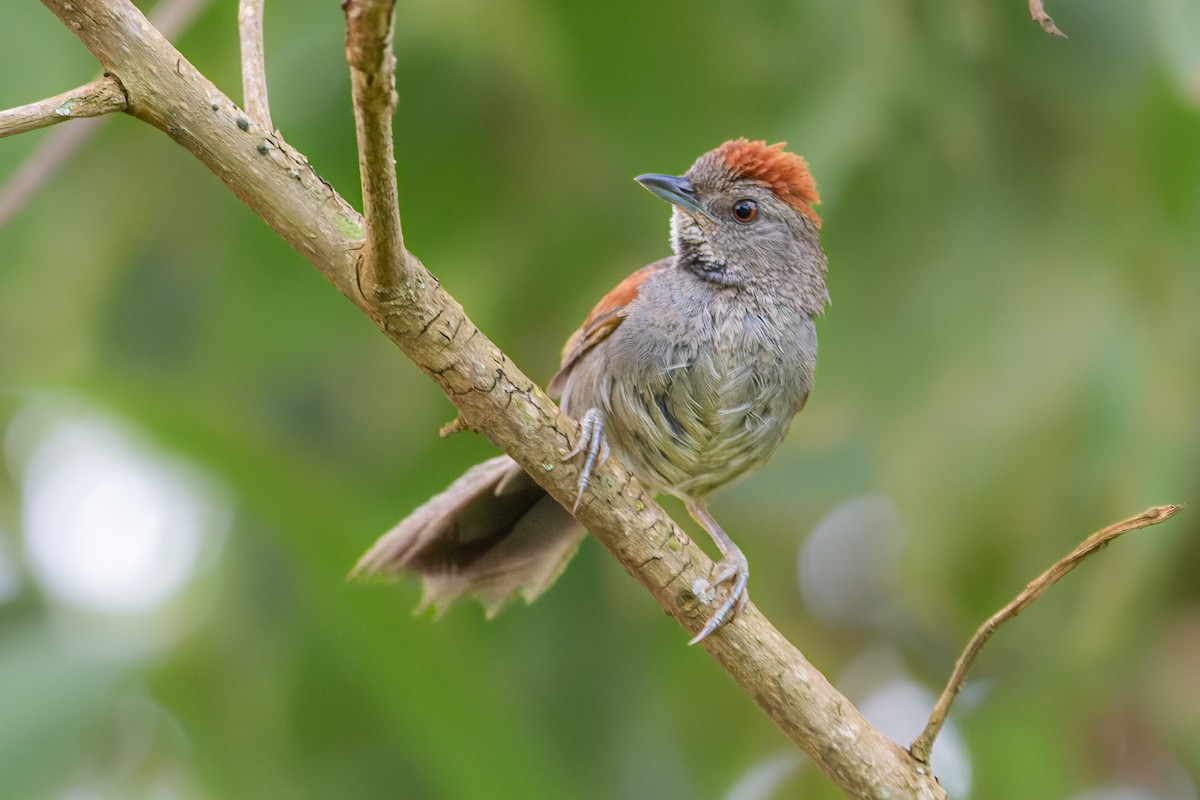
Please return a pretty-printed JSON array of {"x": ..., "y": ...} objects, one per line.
[
  {"x": 592, "y": 442},
  {"x": 734, "y": 570}
]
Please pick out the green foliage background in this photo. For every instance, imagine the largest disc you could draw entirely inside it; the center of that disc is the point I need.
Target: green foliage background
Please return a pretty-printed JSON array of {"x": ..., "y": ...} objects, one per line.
[{"x": 1013, "y": 226}]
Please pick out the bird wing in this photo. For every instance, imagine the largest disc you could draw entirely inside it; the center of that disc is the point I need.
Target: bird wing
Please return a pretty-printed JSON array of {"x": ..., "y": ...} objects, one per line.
[{"x": 604, "y": 319}]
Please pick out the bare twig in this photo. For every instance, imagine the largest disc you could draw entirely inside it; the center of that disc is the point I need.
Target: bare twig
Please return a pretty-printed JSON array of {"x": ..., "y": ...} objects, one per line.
[
  {"x": 57, "y": 148},
  {"x": 254, "y": 65},
  {"x": 456, "y": 425},
  {"x": 1037, "y": 10},
  {"x": 924, "y": 743},
  {"x": 369, "y": 26},
  {"x": 102, "y": 96}
]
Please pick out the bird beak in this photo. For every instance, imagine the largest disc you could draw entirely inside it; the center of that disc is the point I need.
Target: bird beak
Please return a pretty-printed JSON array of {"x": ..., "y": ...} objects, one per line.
[{"x": 677, "y": 191}]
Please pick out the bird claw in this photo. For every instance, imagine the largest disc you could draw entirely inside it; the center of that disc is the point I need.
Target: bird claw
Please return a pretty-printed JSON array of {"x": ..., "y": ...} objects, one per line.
[
  {"x": 734, "y": 570},
  {"x": 592, "y": 442}
]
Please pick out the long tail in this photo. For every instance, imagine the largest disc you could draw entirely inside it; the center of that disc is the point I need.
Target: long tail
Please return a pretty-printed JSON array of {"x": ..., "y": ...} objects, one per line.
[{"x": 491, "y": 533}]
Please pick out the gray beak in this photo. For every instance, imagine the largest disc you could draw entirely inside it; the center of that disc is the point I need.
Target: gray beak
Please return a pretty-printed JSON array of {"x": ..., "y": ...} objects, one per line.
[{"x": 677, "y": 191}]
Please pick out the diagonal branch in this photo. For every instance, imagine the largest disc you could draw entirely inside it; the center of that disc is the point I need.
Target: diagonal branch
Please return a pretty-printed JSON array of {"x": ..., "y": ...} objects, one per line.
[
  {"x": 254, "y": 64},
  {"x": 102, "y": 96},
  {"x": 923, "y": 745}
]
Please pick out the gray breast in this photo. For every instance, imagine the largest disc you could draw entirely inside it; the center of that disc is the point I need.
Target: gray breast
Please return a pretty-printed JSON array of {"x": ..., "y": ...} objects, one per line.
[{"x": 711, "y": 404}]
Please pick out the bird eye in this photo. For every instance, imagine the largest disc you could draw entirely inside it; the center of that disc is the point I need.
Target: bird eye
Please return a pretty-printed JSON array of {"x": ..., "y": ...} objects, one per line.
[{"x": 745, "y": 210}]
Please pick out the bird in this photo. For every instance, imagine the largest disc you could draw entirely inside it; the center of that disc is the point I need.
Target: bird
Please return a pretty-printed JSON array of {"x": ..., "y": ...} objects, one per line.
[{"x": 689, "y": 372}]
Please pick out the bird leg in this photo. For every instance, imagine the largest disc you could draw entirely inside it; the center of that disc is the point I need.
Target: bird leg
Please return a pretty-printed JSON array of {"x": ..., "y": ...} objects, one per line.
[
  {"x": 592, "y": 442},
  {"x": 732, "y": 569}
]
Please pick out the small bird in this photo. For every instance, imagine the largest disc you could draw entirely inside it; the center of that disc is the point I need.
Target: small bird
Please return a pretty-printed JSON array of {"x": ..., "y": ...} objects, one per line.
[{"x": 689, "y": 372}]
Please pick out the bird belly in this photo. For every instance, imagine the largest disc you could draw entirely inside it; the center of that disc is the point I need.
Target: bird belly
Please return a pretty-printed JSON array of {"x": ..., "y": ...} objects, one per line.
[
  {"x": 690, "y": 415},
  {"x": 699, "y": 426}
]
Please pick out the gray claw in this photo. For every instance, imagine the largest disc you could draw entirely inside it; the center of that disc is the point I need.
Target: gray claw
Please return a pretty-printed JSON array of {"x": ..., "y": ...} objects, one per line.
[
  {"x": 735, "y": 570},
  {"x": 592, "y": 442}
]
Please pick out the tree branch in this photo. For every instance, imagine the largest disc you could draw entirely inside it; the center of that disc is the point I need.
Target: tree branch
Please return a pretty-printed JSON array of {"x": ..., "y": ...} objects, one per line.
[
  {"x": 923, "y": 745},
  {"x": 369, "y": 25},
  {"x": 254, "y": 65},
  {"x": 102, "y": 96}
]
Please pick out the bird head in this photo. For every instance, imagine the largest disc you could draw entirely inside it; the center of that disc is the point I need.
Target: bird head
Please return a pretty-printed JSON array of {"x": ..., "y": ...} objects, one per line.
[{"x": 744, "y": 217}]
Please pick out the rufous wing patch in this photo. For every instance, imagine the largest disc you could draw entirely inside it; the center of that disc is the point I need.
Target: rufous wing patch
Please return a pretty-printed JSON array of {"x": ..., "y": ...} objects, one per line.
[
  {"x": 604, "y": 319},
  {"x": 784, "y": 173}
]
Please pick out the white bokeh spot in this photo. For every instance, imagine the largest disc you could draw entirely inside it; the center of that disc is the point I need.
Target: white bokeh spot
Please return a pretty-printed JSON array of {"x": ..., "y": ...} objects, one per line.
[
  {"x": 849, "y": 566},
  {"x": 110, "y": 525}
]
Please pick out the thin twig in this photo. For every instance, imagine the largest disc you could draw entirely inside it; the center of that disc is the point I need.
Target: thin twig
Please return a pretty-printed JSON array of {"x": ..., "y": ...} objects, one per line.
[
  {"x": 1037, "y": 10},
  {"x": 456, "y": 425},
  {"x": 58, "y": 147},
  {"x": 923, "y": 745},
  {"x": 102, "y": 96},
  {"x": 369, "y": 26},
  {"x": 254, "y": 65}
]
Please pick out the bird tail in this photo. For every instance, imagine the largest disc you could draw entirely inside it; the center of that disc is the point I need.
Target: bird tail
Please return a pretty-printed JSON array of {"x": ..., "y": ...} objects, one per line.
[{"x": 491, "y": 534}]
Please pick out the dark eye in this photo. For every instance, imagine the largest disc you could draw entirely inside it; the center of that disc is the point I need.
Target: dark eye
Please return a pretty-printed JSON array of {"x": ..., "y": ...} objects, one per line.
[{"x": 745, "y": 210}]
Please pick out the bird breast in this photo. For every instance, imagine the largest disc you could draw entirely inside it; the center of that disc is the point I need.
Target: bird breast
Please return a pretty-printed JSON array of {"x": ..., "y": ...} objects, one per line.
[{"x": 700, "y": 390}]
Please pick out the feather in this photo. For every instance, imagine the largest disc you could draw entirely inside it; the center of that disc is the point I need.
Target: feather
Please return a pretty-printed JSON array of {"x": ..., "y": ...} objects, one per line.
[
  {"x": 604, "y": 319},
  {"x": 493, "y": 533},
  {"x": 784, "y": 173}
]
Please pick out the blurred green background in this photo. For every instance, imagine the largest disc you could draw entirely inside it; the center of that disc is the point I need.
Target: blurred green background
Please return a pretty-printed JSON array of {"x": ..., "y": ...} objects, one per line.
[{"x": 200, "y": 435}]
